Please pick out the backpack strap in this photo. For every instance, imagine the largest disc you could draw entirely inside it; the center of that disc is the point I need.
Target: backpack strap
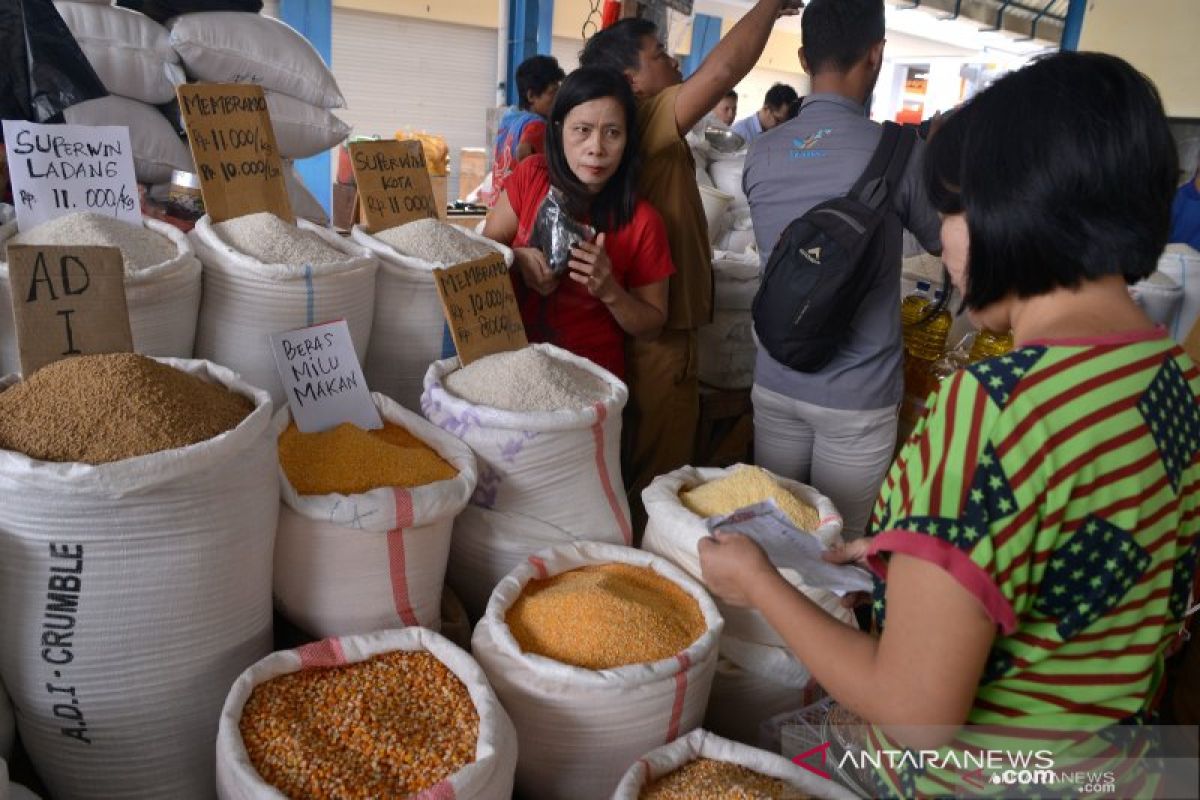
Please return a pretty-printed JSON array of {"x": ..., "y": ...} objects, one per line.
[{"x": 886, "y": 168}]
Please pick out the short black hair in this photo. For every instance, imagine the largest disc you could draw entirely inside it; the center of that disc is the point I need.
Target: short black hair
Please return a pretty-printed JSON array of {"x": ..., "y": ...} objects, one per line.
[
  {"x": 1065, "y": 171},
  {"x": 618, "y": 46},
  {"x": 780, "y": 95},
  {"x": 534, "y": 75},
  {"x": 730, "y": 94},
  {"x": 836, "y": 34},
  {"x": 613, "y": 207}
]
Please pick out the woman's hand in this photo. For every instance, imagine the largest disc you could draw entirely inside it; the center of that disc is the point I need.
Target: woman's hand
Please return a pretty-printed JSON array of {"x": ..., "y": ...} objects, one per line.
[
  {"x": 851, "y": 553},
  {"x": 732, "y": 565},
  {"x": 535, "y": 270},
  {"x": 591, "y": 267}
]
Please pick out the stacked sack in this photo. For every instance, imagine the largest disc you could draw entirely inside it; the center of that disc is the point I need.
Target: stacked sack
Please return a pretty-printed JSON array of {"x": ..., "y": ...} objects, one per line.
[
  {"x": 133, "y": 57},
  {"x": 545, "y": 426},
  {"x": 240, "y": 47},
  {"x": 162, "y": 280},
  {"x": 262, "y": 276},
  {"x": 408, "y": 332},
  {"x": 758, "y": 677},
  {"x": 727, "y": 350},
  {"x": 736, "y": 231}
]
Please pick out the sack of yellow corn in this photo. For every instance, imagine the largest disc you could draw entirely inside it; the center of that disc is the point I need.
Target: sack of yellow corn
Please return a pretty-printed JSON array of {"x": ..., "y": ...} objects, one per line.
[
  {"x": 557, "y": 642},
  {"x": 703, "y": 766},
  {"x": 365, "y": 521},
  {"x": 393, "y": 713}
]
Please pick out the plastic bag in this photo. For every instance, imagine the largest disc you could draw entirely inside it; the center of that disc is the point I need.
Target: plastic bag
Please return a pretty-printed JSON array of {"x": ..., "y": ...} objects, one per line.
[
  {"x": 44, "y": 70},
  {"x": 555, "y": 232}
]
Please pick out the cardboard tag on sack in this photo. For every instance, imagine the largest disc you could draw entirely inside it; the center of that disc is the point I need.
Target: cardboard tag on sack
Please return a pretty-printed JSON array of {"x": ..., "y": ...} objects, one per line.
[
  {"x": 322, "y": 378},
  {"x": 480, "y": 308},
  {"x": 70, "y": 169},
  {"x": 393, "y": 183},
  {"x": 233, "y": 145},
  {"x": 67, "y": 301}
]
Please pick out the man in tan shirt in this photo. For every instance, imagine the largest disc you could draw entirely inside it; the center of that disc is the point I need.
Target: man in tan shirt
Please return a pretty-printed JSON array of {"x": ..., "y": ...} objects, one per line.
[{"x": 664, "y": 403}]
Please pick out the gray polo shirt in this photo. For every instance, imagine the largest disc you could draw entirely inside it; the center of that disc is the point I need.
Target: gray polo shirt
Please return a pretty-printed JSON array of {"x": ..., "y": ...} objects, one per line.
[{"x": 789, "y": 169}]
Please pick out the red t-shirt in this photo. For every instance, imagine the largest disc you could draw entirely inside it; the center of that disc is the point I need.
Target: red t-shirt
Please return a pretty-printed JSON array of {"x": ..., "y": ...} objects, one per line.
[
  {"x": 504, "y": 159},
  {"x": 570, "y": 317}
]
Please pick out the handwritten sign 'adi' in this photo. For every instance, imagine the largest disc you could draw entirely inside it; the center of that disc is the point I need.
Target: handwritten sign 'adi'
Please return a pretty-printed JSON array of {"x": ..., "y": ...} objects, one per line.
[
  {"x": 481, "y": 308},
  {"x": 67, "y": 169},
  {"x": 233, "y": 145},
  {"x": 322, "y": 378},
  {"x": 67, "y": 301},
  {"x": 393, "y": 183}
]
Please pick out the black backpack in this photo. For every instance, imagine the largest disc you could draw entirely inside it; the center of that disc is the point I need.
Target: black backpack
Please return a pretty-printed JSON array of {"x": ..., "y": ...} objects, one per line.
[{"x": 827, "y": 260}]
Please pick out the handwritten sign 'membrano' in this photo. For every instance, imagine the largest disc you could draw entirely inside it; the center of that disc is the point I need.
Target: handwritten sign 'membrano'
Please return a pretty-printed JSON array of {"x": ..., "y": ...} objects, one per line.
[{"x": 481, "y": 308}]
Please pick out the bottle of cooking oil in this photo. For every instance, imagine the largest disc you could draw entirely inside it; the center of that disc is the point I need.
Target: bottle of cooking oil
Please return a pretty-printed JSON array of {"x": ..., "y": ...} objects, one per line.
[
  {"x": 989, "y": 344},
  {"x": 924, "y": 345},
  {"x": 912, "y": 305}
]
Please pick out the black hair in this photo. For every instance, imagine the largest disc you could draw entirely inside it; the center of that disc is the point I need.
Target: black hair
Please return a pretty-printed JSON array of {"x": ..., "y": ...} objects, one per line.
[
  {"x": 780, "y": 95},
  {"x": 1065, "y": 171},
  {"x": 618, "y": 47},
  {"x": 613, "y": 207},
  {"x": 534, "y": 75},
  {"x": 836, "y": 34},
  {"x": 731, "y": 93}
]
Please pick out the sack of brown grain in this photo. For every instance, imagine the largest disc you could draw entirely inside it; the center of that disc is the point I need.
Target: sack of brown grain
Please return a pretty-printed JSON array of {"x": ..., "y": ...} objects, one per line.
[
  {"x": 365, "y": 522},
  {"x": 599, "y": 605},
  {"x": 391, "y": 713}
]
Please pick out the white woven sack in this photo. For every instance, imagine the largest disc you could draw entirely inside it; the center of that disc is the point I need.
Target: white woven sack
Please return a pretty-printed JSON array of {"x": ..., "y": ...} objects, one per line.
[
  {"x": 157, "y": 149},
  {"x": 561, "y": 467},
  {"x": 407, "y": 335},
  {"x": 489, "y": 777},
  {"x": 163, "y": 301},
  {"x": 8, "y": 725},
  {"x": 703, "y": 744},
  {"x": 1182, "y": 264},
  {"x": 580, "y": 729},
  {"x": 735, "y": 240},
  {"x": 348, "y": 564},
  {"x": 726, "y": 174},
  {"x": 304, "y": 204},
  {"x": 727, "y": 350},
  {"x": 674, "y": 532},
  {"x": 140, "y": 589},
  {"x": 237, "y": 47},
  {"x": 487, "y": 545},
  {"x": 736, "y": 277},
  {"x": 741, "y": 701},
  {"x": 245, "y": 301},
  {"x": 303, "y": 130},
  {"x": 130, "y": 52}
]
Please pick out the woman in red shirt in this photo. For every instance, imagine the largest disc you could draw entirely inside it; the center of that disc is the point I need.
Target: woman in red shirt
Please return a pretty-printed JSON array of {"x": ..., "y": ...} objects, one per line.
[{"x": 616, "y": 284}]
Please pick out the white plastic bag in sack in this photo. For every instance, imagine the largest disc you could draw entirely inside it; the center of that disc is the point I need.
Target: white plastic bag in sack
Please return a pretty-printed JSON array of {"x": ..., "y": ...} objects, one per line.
[
  {"x": 157, "y": 149},
  {"x": 245, "y": 301},
  {"x": 348, "y": 564},
  {"x": 132, "y": 594},
  {"x": 489, "y": 777},
  {"x": 130, "y": 52},
  {"x": 580, "y": 729},
  {"x": 674, "y": 532},
  {"x": 303, "y": 130},
  {"x": 237, "y": 47},
  {"x": 703, "y": 744},
  {"x": 726, "y": 350},
  {"x": 726, "y": 174},
  {"x": 163, "y": 301},
  {"x": 408, "y": 330}
]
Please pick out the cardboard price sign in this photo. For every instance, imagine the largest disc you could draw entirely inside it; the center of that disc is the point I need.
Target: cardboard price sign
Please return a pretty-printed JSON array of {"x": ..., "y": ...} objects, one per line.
[
  {"x": 322, "y": 378},
  {"x": 65, "y": 169},
  {"x": 481, "y": 308},
  {"x": 233, "y": 145},
  {"x": 67, "y": 301},
  {"x": 393, "y": 183}
]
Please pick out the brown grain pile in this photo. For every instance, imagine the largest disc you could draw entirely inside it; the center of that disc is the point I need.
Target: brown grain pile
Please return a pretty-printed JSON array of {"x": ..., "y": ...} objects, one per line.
[
  {"x": 350, "y": 460},
  {"x": 707, "y": 779},
  {"x": 605, "y": 616},
  {"x": 391, "y": 726},
  {"x": 98, "y": 409}
]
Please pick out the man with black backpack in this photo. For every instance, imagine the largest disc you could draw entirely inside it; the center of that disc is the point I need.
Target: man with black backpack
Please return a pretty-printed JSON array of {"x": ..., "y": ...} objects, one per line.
[{"x": 829, "y": 193}]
